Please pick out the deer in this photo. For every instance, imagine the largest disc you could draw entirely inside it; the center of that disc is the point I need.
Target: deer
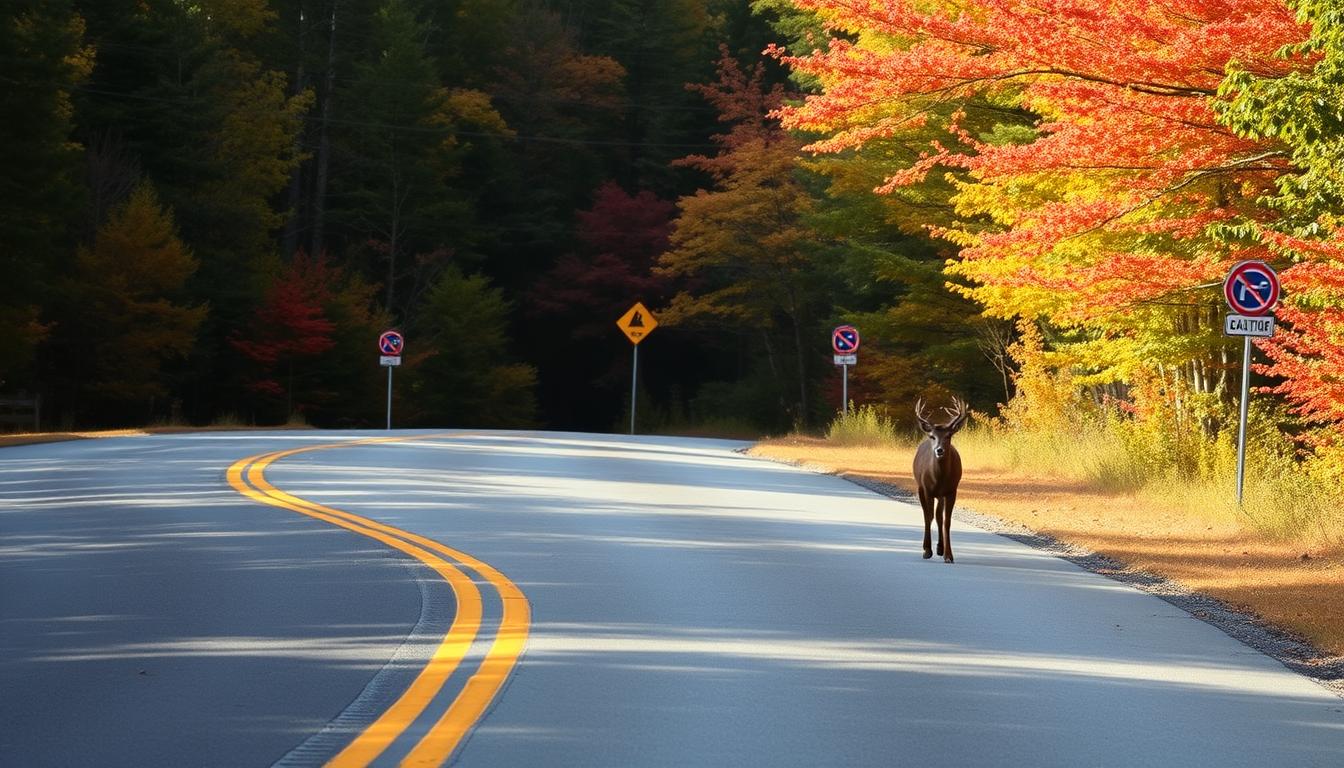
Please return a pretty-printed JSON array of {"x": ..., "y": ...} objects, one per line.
[{"x": 937, "y": 473}]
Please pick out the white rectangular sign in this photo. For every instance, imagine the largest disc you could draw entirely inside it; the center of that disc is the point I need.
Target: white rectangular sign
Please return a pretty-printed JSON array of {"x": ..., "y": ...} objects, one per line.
[
  {"x": 846, "y": 359},
  {"x": 387, "y": 360},
  {"x": 1244, "y": 325}
]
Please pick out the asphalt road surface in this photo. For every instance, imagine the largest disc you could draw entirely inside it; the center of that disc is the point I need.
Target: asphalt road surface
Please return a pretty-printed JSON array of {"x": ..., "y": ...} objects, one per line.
[{"x": 164, "y": 604}]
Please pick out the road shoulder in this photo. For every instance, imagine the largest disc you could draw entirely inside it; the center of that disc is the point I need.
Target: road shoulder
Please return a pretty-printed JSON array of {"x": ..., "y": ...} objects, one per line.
[{"x": 1286, "y": 647}]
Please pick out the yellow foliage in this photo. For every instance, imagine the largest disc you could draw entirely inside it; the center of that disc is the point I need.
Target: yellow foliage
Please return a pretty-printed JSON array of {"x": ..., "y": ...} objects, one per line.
[
  {"x": 127, "y": 287},
  {"x": 473, "y": 108}
]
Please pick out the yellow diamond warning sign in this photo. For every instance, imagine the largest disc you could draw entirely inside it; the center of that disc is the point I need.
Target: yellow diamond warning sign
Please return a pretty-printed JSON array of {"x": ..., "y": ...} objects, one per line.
[{"x": 637, "y": 323}]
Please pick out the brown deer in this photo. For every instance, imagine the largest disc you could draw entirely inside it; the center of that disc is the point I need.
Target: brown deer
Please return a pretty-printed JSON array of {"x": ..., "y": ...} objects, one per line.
[{"x": 937, "y": 474}]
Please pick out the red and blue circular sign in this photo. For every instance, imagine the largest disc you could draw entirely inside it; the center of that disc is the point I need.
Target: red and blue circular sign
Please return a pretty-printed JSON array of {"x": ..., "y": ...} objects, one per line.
[
  {"x": 1252, "y": 288},
  {"x": 391, "y": 343},
  {"x": 845, "y": 340}
]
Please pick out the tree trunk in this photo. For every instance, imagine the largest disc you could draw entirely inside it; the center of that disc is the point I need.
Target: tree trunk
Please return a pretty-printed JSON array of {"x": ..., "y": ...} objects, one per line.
[
  {"x": 394, "y": 232},
  {"x": 802, "y": 377},
  {"x": 801, "y": 359},
  {"x": 770, "y": 355},
  {"x": 290, "y": 241},
  {"x": 324, "y": 138}
]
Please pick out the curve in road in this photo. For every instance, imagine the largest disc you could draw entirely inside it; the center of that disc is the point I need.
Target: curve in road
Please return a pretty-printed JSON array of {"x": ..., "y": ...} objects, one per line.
[{"x": 248, "y": 477}]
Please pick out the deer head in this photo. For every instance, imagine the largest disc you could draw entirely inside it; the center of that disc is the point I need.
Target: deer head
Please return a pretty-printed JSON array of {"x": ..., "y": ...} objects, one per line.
[{"x": 941, "y": 434}]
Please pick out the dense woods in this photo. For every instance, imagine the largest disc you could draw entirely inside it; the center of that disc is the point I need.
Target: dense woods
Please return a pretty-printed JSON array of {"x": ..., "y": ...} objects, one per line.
[{"x": 211, "y": 209}]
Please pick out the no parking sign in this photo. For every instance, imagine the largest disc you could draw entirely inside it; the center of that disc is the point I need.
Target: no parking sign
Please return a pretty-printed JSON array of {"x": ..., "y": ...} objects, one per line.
[
  {"x": 1252, "y": 288},
  {"x": 845, "y": 340},
  {"x": 390, "y": 346},
  {"x": 1252, "y": 291}
]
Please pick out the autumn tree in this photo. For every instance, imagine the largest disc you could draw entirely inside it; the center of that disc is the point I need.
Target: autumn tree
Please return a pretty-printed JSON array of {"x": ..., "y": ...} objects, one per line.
[
  {"x": 124, "y": 316},
  {"x": 289, "y": 329},
  {"x": 661, "y": 45},
  {"x": 620, "y": 238},
  {"x": 1096, "y": 215},
  {"x": 576, "y": 303},
  {"x": 1298, "y": 111},
  {"x": 187, "y": 95},
  {"x": 742, "y": 244},
  {"x": 562, "y": 104},
  {"x": 207, "y": 119}
]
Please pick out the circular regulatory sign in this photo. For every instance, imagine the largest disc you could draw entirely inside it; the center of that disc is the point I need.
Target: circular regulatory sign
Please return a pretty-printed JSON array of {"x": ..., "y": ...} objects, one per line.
[
  {"x": 1252, "y": 288},
  {"x": 391, "y": 343},
  {"x": 845, "y": 340}
]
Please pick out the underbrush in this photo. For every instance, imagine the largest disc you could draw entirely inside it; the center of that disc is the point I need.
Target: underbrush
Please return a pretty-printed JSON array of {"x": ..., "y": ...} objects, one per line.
[
  {"x": 1162, "y": 464},
  {"x": 866, "y": 425}
]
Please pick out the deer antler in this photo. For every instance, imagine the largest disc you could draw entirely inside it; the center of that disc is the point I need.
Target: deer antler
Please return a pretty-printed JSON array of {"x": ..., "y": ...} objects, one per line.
[
  {"x": 959, "y": 412},
  {"x": 920, "y": 415}
]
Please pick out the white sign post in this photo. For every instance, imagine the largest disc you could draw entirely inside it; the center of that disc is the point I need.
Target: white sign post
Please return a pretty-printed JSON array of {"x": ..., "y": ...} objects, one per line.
[
  {"x": 845, "y": 343},
  {"x": 390, "y": 345},
  {"x": 637, "y": 323},
  {"x": 1252, "y": 290}
]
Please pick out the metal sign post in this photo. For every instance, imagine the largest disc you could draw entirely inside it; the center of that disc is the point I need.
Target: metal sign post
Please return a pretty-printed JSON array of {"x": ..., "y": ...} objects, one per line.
[
  {"x": 1245, "y": 408},
  {"x": 390, "y": 346},
  {"x": 845, "y": 343},
  {"x": 1251, "y": 289},
  {"x": 637, "y": 323},
  {"x": 389, "y": 396},
  {"x": 634, "y": 378}
]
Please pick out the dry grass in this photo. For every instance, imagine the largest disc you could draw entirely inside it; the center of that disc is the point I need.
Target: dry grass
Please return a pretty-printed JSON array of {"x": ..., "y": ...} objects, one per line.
[
  {"x": 28, "y": 438},
  {"x": 1185, "y": 536}
]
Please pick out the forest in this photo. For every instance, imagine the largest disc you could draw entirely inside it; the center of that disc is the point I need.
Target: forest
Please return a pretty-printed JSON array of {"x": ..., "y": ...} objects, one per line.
[{"x": 211, "y": 209}]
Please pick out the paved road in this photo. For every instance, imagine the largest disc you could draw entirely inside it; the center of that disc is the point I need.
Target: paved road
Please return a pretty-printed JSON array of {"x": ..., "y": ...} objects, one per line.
[{"x": 689, "y": 606}]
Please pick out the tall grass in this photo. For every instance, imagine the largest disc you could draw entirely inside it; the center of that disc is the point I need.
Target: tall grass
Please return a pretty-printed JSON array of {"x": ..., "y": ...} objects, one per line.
[
  {"x": 229, "y": 420},
  {"x": 298, "y": 420},
  {"x": 866, "y": 425},
  {"x": 1086, "y": 455},
  {"x": 1162, "y": 462}
]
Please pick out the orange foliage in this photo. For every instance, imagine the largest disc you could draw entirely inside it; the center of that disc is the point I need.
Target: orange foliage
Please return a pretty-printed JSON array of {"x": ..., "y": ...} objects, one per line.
[
  {"x": 1096, "y": 201},
  {"x": 1124, "y": 142}
]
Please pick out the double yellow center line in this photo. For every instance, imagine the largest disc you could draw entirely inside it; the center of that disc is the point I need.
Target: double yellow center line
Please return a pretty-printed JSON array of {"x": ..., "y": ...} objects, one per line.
[{"x": 248, "y": 477}]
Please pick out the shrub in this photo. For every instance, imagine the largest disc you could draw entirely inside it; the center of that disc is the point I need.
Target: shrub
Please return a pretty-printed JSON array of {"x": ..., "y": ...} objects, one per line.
[{"x": 865, "y": 425}]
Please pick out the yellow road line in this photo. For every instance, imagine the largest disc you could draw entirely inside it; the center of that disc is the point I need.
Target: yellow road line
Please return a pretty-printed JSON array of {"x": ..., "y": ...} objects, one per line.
[
  {"x": 247, "y": 476},
  {"x": 483, "y": 686}
]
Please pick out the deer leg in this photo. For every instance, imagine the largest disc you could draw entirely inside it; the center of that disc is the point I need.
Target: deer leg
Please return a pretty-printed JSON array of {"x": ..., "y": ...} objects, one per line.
[
  {"x": 945, "y": 526},
  {"x": 927, "y": 504},
  {"x": 938, "y": 515}
]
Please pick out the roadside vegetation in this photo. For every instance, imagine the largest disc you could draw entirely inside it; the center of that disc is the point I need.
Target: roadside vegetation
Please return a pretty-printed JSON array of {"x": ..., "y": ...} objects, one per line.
[{"x": 1286, "y": 499}]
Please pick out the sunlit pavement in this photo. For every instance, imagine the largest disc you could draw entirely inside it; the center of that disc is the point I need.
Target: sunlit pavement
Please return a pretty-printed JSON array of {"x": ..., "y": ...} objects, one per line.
[{"x": 691, "y": 606}]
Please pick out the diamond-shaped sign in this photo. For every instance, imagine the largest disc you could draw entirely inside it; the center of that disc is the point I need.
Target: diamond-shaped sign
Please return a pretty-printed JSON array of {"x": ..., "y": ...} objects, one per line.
[{"x": 637, "y": 323}]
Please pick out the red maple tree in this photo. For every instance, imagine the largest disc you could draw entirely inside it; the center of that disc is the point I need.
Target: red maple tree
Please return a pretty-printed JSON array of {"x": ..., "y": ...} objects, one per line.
[
  {"x": 621, "y": 236},
  {"x": 289, "y": 325}
]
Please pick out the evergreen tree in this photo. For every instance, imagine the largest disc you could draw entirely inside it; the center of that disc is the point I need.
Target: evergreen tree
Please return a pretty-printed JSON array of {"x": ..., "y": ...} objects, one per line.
[
  {"x": 460, "y": 373},
  {"x": 398, "y": 154},
  {"x": 44, "y": 58}
]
